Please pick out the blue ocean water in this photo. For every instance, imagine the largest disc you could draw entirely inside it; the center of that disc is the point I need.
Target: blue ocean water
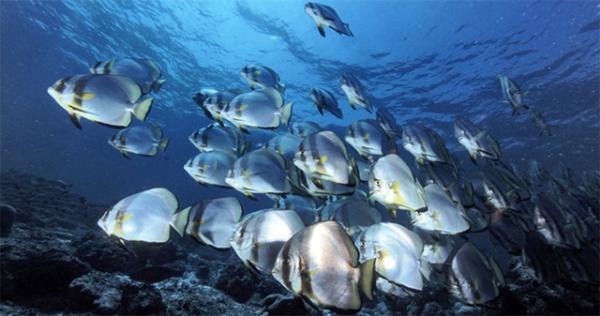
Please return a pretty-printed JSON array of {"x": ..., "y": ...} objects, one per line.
[{"x": 425, "y": 61}]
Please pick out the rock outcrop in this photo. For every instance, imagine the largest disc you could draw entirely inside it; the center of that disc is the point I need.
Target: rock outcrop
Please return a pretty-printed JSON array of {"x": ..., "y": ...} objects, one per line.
[{"x": 56, "y": 260}]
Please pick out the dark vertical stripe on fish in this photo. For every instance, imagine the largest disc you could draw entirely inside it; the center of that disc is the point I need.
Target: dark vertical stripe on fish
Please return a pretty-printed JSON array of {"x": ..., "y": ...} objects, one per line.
[
  {"x": 62, "y": 84},
  {"x": 79, "y": 88},
  {"x": 305, "y": 277},
  {"x": 254, "y": 255},
  {"x": 285, "y": 266},
  {"x": 314, "y": 151}
]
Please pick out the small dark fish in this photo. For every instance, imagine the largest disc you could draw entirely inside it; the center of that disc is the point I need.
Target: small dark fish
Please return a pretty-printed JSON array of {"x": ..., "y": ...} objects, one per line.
[
  {"x": 325, "y": 16},
  {"x": 325, "y": 100}
]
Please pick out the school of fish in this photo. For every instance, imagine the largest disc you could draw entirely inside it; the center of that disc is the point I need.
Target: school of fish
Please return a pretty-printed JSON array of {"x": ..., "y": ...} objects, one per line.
[{"x": 350, "y": 215}]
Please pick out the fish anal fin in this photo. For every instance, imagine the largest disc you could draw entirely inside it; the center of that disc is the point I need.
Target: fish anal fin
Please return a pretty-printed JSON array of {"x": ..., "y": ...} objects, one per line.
[{"x": 366, "y": 280}]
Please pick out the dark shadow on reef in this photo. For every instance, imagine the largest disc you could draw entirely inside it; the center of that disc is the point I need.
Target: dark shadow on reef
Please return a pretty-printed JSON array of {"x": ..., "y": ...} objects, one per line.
[{"x": 55, "y": 259}]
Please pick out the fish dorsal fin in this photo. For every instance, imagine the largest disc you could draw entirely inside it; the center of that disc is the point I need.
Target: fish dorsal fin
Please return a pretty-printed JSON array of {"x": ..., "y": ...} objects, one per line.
[{"x": 109, "y": 65}]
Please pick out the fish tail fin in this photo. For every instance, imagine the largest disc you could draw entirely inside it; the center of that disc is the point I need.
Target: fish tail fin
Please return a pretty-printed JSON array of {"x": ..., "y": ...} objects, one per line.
[
  {"x": 180, "y": 219},
  {"x": 286, "y": 113},
  {"x": 158, "y": 84},
  {"x": 348, "y": 32},
  {"x": 163, "y": 143},
  {"x": 141, "y": 108},
  {"x": 366, "y": 281}
]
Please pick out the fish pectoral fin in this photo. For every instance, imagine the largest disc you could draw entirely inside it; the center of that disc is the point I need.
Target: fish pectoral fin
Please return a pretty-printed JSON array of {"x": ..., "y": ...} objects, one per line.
[
  {"x": 126, "y": 217},
  {"x": 323, "y": 159},
  {"x": 396, "y": 186},
  {"x": 124, "y": 154},
  {"x": 86, "y": 96},
  {"x": 321, "y": 29},
  {"x": 312, "y": 273}
]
